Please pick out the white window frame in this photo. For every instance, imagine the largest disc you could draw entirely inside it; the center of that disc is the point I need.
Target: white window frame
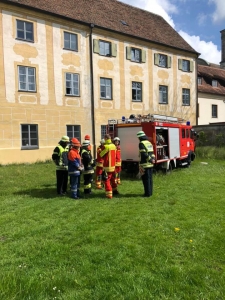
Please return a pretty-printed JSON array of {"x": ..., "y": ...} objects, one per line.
[
  {"x": 214, "y": 83},
  {"x": 185, "y": 65},
  {"x": 73, "y": 131},
  {"x": 68, "y": 42},
  {"x": 26, "y": 31},
  {"x": 186, "y": 97},
  {"x": 104, "y": 48},
  {"x": 163, "y": 94},
  {"x": 72, "y": 82},
  {"x": 163, "y": 60},
  {"x": 136, "y": 91},
  {"x": 135, "y": 55},
  {"x": 214, "y": 111},
  {"x": 106, "y": 88},
  {"x": 103, "y": 131},
  {"x": 29, "y": 136},
  {"x": 199, "y": 80},
  {"x": 26, "y": 80}
]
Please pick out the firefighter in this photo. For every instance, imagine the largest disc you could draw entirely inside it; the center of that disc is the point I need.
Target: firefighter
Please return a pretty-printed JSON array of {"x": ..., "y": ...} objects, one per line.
[
  {"x": 74, "y": 168},
  {"x": 109, "y": 162},
  {"x": 60, "y": 159},
  {"x": 99, "y": 165},
  {"x": 116, "y": 141},
  {"x": 88, "y": 164},
  {"x": 147, "y": 159}
]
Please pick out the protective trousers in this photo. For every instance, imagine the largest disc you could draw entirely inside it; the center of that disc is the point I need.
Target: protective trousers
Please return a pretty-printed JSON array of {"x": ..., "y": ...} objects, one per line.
[
  {"x": 147, "y": 182},
  {"x": 110, "y": 184},
  {"x": 98, "y": 181}
]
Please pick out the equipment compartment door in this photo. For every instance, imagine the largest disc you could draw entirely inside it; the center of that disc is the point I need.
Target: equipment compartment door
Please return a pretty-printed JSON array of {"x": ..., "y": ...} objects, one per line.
[{"x": 174, "y": 143}]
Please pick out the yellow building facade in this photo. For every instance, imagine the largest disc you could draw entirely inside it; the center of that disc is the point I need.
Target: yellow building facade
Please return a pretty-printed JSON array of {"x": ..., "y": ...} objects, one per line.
[{"x": 60, "y": 77}]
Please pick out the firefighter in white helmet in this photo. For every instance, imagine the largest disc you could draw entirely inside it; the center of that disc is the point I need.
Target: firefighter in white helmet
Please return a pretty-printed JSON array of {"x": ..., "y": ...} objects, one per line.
[
  {"x": 116, "y": 142},
  {"x": 147, "y": 160}
]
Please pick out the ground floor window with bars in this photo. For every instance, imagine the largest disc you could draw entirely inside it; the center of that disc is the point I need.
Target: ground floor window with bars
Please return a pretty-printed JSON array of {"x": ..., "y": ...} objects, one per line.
[
  {"x": 74, "y": 131},
  {"x": 29, "y": 136},
  {"x": 103, "y": 131},
  {"x": 214, "y": 111},
  {"x": 186, "y": 97}
]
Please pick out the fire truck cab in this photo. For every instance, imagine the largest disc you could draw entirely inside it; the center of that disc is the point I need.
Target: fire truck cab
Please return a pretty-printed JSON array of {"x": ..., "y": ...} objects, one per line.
[{"x": 173, "y": 140}]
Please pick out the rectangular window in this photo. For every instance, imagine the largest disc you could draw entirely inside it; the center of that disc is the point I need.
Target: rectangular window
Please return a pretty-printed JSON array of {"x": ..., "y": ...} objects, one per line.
[
  {"x": 103, "y": 131},
  {"x": 136, "y": 91},
  {"x": 214, "y": 111},
  {"x": 135, "y": 55},
  {"x": 214, "y": 83},
  {"x": 186, "y": 65},
  {"x": 25, "y": 30},
  {"x": 162, "y": 60},
  {"x": 163, "y": 94},
  {"x": 104, "y": 48},
  {"x": 199, "y": 80},
  {"x": 72, "y": 84},
  {"x": 186, "y": 97},
  {"x": 29, "y": 136},
  {"x": 27, "y": 79},
  {"x": 106, "y": 88},
  {"x": 70, "y": 41},
  {"x": 73, "y": 131}
]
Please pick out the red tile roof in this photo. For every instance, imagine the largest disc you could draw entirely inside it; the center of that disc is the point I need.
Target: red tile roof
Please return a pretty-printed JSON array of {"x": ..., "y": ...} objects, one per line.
[
  {"x": 208, "y": 74},
  {"x": 109, "y": 14}
]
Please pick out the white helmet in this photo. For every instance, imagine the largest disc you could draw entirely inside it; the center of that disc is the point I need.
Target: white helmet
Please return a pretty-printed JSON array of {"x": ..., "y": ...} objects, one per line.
[
  {"x": 102, "y": 141},
  {"x": 116, "y": 139}
]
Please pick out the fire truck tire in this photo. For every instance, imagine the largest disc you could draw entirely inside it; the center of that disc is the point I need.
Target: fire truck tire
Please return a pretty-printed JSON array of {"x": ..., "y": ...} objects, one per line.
[{"x": 169, "y": 170}]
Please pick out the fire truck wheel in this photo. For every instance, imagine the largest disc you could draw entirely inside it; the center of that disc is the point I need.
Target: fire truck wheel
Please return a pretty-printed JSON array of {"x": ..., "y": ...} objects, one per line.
[{"x": 169, "y": 170}]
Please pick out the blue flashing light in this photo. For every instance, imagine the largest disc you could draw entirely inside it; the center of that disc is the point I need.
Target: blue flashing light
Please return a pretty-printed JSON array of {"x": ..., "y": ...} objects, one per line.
[
  {"x": 123, "y": 118},
  {"x": 188, "y": 123}
]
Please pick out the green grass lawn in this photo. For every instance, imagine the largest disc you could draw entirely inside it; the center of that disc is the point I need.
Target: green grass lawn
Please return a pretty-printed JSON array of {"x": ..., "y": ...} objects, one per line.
[{"x": 169, "y": 246}]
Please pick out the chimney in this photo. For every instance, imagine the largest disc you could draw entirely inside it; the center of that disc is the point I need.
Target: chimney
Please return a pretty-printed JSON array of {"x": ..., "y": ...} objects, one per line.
[{"x": 222, "y": 63}]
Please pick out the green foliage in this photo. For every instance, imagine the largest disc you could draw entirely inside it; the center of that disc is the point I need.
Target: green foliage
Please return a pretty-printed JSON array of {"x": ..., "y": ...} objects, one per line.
[
  {"x": 169, "y": 246},
  {"x": 210, "y": 152}
]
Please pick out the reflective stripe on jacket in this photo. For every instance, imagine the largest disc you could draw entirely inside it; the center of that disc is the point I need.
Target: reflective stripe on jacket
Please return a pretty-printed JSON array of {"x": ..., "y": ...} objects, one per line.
[
  {"x": 118, "y": 156},
  {"x": 62, "y": 163},
  {"x": 146, "y": 153},
  {"x": 109, "y": 156}
]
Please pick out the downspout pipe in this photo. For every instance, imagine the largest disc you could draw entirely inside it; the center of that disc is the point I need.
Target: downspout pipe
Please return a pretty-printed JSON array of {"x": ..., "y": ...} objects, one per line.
[{"x": 92, "y": 90}]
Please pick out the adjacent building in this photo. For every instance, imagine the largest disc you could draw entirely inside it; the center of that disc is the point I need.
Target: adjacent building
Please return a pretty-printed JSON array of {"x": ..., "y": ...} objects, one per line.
[
  {"x": 67, "y": 67},
  {"x": 211, "y": 89}
]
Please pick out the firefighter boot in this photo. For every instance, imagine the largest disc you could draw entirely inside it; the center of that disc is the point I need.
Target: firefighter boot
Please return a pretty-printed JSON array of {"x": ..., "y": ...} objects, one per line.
[
  {"x": 99, "y": 182},
  {"x": 118, "y": 178}
]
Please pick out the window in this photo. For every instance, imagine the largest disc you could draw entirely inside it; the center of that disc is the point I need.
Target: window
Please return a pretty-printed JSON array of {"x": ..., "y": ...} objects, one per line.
[
  {"x": 214, "y": 83},
  {"x": 136, "y": 55},
  {"x": 29, "y": 136},
  {"x": 27, "y": 80},
  {"x": 186, "y": 97},
  {"x": 72, "y": 84},
  {"x": 185, "y": 65},
  {"x": 104, "y": 48},
  {"x": 199, "y": 80},
  {"x": 214, "y": 111},
  {"x": 70, "y": 41},
  {"x": 73, "y": 131},
  {"x": 103, "y": 131},
  {"x": 163, "y": 94},
  {"x": 136, "y": 91},
  {"x": 25, "y": 31},
  {"x": 106, "y": 88}
]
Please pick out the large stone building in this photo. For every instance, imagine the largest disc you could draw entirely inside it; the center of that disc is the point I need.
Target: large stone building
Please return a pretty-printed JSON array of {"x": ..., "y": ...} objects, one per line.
[{"x": 69, "y": 66}]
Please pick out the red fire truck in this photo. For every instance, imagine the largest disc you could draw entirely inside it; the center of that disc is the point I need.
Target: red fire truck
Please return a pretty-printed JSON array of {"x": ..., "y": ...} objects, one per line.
[{"x": 173, "y": 140}]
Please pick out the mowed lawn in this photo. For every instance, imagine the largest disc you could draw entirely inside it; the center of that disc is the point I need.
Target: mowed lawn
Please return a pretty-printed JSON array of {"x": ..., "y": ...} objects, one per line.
[{"x": 169, "y": 246}]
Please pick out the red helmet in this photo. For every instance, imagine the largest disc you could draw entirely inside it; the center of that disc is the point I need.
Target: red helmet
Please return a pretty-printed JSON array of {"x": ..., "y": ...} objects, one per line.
[
  {"x": 87, "y": 137},
  {"x": 75, "y": 142}
]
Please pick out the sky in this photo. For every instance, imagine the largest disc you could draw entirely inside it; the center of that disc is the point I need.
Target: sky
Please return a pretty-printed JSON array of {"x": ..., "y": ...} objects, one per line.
[{"x": 199, "y": 22}]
